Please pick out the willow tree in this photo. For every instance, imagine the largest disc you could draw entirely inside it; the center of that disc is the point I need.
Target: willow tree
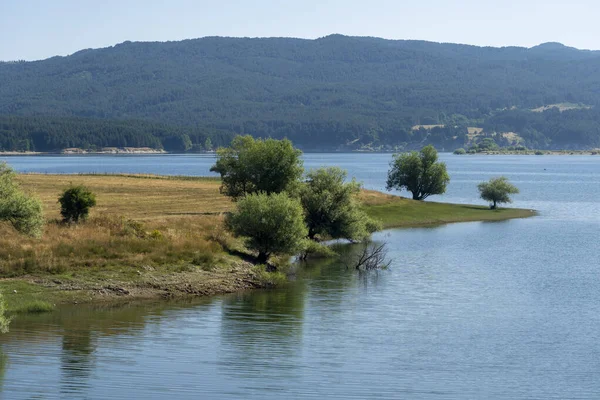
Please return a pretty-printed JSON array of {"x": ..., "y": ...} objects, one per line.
[
  {"x": 331, "y": 207},
  {"x": 271, "y": 224},
  {"x": 497, "y": 191},
  {"x": 254, "y": 165},
  {"x": 419, "y": 173}
]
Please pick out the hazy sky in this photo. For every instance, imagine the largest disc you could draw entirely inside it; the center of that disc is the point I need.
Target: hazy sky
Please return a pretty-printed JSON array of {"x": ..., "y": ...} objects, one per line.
[{"x": 37, "y": 29}]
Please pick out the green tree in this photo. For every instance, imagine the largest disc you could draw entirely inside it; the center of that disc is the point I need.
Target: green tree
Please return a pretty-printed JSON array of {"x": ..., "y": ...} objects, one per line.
[
  {"x": 271, "y": 224},
  {"x": 186, "y": 142},
  {"x": 255, "y": 165},
  {"x": 208, "y": 146},
  {"x": 21, "y": 210},
  {"x": 330, "y": 206},
  {"x": 75, "y": 203},
  {"x": 418, "y": 172},
  {"x": 488, "y": 144},
  {"x": 497, "y": 190}
]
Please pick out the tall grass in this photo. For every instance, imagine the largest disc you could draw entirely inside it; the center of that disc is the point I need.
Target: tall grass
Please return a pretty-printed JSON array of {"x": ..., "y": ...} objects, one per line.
[{"x": 107, "y": 241}]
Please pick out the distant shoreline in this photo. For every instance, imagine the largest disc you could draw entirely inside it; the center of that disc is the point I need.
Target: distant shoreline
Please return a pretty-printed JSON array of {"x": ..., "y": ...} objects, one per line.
[
  {"x": 78, "y": 151},
  {"x": 149, "y": 151},
  {"x": 535, "y": 153}
]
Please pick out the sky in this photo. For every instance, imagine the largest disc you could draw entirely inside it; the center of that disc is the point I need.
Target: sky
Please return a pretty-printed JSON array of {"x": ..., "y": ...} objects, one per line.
[{"x": 38, "y": 29}]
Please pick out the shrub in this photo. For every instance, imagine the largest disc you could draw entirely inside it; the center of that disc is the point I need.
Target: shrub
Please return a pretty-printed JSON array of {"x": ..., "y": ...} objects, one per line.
[
  {"x": 4, "y": 320},
  {"x": 317, "y": 250},
  {"x": 460, "y": 151},
  {"x": 271, "y": 224},
  {"x": 75, "y": 203},
  {"x": 270, "y": 278},
  {"x": 132, "y": 227},
  {"x": 22, "y": 211}
]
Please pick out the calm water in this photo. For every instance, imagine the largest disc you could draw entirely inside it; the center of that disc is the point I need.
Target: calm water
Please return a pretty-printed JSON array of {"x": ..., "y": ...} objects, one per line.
[{"x": 506, "y": 310}]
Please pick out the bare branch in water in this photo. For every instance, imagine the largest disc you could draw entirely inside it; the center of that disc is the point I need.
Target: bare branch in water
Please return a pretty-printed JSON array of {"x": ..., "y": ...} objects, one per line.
[{"x": 372, "y": 257}]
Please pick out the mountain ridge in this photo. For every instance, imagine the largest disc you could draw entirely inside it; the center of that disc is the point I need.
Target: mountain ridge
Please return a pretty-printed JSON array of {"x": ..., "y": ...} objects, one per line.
[
  {"x": 544, "y": 45},
  {"x": 323, "y": 93}
]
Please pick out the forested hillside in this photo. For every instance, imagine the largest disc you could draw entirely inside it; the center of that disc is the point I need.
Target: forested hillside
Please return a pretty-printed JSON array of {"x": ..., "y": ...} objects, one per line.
[
  {"x": 46, "y": 134},
  {"x": 335, "y": 92}
]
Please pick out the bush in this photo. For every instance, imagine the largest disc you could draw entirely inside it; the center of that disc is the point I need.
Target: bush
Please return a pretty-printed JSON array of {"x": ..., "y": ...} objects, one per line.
[
  {"x": 317, "y": 250},
  {"x": 22, "y": 211},
  {"x": 460, "y": 151},
  {"x": 270, "y": 278},
  {"x": 75, "y": 203},
  {"x": 4, "y": 320}
]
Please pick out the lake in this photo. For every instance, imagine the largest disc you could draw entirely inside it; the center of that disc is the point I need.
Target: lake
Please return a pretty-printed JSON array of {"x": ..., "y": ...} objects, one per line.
[{"x": 503, "y": 310}]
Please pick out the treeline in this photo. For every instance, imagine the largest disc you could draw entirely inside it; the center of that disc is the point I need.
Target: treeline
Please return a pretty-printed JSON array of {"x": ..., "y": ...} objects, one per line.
[{"x": 46, "y": 134}]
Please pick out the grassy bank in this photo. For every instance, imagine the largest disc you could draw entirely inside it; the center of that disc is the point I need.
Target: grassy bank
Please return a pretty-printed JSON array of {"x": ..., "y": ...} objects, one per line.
[
  {"x": 396, "y": 212},
  {"x": 152, "y": 237}
]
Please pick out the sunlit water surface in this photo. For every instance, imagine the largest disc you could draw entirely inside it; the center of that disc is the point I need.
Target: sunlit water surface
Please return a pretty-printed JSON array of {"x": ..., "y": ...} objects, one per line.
[{"x": 505, "y": 310}]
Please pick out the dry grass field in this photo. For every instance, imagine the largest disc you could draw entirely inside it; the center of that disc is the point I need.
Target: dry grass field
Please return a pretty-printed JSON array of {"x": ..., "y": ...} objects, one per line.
[
  {"x": 143, "y": 197},
  {"x": 148, "y": 236},
  {"x": 138, "y": 222}
]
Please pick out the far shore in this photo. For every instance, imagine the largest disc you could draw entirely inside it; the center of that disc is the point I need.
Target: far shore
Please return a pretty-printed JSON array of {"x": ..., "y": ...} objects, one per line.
[
  {"x": 147, "y": 150},
  {"x": 76, "y": 151},
  {"x": 162, "y": 237},
  {"x": 536, "y": 153}
]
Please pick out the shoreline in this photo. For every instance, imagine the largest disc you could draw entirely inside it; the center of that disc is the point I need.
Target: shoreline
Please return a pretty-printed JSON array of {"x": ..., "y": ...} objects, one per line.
[
  {"x": 535, "y": 153},
  {"x": 108, "y": 259},
  {"x": 149, "y": 151}
]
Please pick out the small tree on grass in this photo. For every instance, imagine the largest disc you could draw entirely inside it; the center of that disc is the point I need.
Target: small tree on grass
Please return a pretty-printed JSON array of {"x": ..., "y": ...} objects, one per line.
[
  {"x": 22, "y": 211},
  {"x": 271, "y": 224},
  {"x": 75, "y": 203},
  {"x": 418, "y": 172},
  {"x": 497, "y": 191},
  {"x": 330, "y": 206}
]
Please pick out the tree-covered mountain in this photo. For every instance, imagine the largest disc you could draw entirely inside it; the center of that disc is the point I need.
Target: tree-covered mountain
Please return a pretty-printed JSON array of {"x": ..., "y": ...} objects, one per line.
[{"x": 333, "y": 92}]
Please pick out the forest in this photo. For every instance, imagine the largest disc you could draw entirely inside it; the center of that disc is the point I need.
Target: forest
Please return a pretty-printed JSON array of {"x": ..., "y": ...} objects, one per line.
[
  {"x": 332, "y": 93},
  {"x": 48, "y": 134}
]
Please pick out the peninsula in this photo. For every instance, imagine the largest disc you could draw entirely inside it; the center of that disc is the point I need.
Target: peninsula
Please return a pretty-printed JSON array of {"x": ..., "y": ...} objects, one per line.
[{"x": 160, "y": 237}]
